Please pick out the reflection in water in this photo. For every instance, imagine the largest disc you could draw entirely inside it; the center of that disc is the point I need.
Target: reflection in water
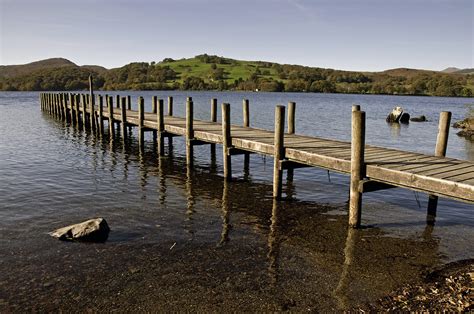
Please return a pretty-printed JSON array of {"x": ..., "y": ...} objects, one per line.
[
  {"x": 143, "y": 172},
  {"x": 469, "y": 147},
  {"x": 162, "y": 180},
  {"x": 394, "y": 130},
  {"x": 190, "y": 201},
  {"x": 225, "y": 214},
  {"x": 274, "y": 243},
  {"x": 342, "y": 290}
]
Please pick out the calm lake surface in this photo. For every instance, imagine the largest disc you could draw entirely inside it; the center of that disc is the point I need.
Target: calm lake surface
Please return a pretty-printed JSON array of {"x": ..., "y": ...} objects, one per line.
[{"x": 187, "y": 240}]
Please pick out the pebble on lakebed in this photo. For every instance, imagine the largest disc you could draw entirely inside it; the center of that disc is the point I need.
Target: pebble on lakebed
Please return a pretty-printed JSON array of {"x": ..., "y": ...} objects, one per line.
[{"x": 92, "y": 230}]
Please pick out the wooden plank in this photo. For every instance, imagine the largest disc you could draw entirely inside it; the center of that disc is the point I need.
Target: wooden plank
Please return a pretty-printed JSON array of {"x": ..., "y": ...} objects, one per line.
[
  {"x": 427, "y": 184},
  {"x": 439, "y": 168},
  {"x": 450, "y": 173},
  {"x": 461, "y": 177},
  {"x": 420, "y": 162}
]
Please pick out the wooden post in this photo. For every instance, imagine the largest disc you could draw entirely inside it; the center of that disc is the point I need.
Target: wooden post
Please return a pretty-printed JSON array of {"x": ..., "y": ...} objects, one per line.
[
  {"x": 440, "y": 151},
  {"x": 154, "y": 104},
  {"x": 141, "y": 118},
  {"x": 123, "y": 118},
  {"x": 101, "y": 114},
  {"x": 170, "y": 113},
  {"x": 170, "y": 106},
  {"x": 84, "y": 110},
  {"x": 291, "y": 130},
  {"x": 355, "y": 107},
  {"x": 291, "y": 117},
  {"x": 279, "y": 150},
  {"x": 129, "y": 102},
  {"x": 161, "y": 127},
  {"x": 246, "y": 124},
  {"x": 357, "y": 167},
  {"x": 110, "y": 108},
  {"x": 55, "y": 105},
  {"x": 213, "y": 119},
  {"x": 117, "y": 101},
  {"x": 226, "y": 141},
  {"x": 76, "y": 108},
  {"x": 92, "y": 104},
  {"x": 245, "y": 113},
  {"x": 65, "y": 109},
  {"x": 60, "y": 105},
  {"x": 189, "y": 131}
]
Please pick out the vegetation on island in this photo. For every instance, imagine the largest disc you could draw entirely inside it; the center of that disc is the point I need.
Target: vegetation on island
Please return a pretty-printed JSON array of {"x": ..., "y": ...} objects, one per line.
[{"x": 207, "y": 72}]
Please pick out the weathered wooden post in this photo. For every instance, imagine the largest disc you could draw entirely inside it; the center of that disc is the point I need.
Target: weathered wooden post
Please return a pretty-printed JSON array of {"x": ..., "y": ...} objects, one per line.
[
  {"x": 76, "y": 109},
  {"x": 65, "y": 109},
  {"x": 246, "y": 124},
  {"x": 92, "y": 104},
  {"x": 55, "y": 105},
  {"x": 101, "y": 114},
  {"x": 59, "y": 105},
  {"x": 141, "y": 118},
  {"x": 154, "y": 104},
  {"x": 110, "y": 109},
  {"x": 440, "y": 151},
  {"x": 291, "y": 117},
  {"x": 279, "y": 150},
  {"x": 226, "y": 141},
  {"x": 189, "y": 131},
  {"x": 161, "y": 128},
  {"x": 170, "y": 106},
  {"x": 117, "y": 101},
  {"x": 355, "y": 107},
  {"x": 357, "y": 167},
  {"x": 123, "y": 118},
  {"x": 129, "y": 102},
  {"x": 291, "y": 130},
  {"x": 84, "y": 110},
  {"x": 170, "y": 113},
  {"x": 213, "y": 119}
]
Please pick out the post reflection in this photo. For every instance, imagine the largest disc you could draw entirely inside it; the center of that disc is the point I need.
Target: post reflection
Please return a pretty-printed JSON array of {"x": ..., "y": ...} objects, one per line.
[
  {"x": 225, "y": 214},
  {"x": 342, "y": 290},
  {"x": 190, "y": 201},
  {"x": 162, "y": 181},
  {"x": 274, "y": 241},
  {"x": 143, "y": 171},
  {"x": 394, "y": 130}
]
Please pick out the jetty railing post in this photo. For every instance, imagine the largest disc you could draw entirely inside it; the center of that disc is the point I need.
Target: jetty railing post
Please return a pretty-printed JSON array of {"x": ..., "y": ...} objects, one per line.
[
  {"x": 154, "y": 104},
  {"x": 213, "y": 119},
  {"x": 76, "y": 109},
  {"x": 291, "y": 130},
  {"x": 92, "y": 104},
  {"x": 110, "y": 109},
  {"x": 440, "y": 151},
  {"x": 279, "y": 150},
  {"x": 123, "y": 118},
  {"x": 101, "y": 114},
  {"x": 141, "y": 118},
  {"x": 117, "y": 101},
  {"x": 59, "y": 105},
  {"x": 55, "y": 105},
  {"x": 189, "y": 131},
  {"x": 170, "y": 113},
  {"x": 226, "y": 141},
  {"x": 355, "y": 107},
  {"x": 161, "y": 128},
  {"x": 246, "y": 124},
  {"x": 64, "y": 105},
  {"x": 357, "y": 167},
  {"x": 84, "y": 110},
  {"x": 129, "y": 102}
]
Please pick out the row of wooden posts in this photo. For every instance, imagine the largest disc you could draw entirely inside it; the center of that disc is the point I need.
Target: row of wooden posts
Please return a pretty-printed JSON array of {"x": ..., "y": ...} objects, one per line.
[{"x": 77, "y": 110}]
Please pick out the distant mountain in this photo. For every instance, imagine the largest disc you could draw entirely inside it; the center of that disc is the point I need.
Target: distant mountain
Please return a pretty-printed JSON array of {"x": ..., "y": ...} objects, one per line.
[
  {"x": 451, "y": 70},
  {"x": 9, "y": 71},
  {"x": 458, "y": 71},
  {"x": 210, "y": 72}
]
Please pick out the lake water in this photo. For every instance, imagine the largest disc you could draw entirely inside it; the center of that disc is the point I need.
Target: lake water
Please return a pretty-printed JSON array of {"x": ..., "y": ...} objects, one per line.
[{"x": 187, "y": 240}]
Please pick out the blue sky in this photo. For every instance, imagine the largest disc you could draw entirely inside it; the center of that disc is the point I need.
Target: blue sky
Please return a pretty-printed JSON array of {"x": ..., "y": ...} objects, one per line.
[{"x": 369, "y": 35}]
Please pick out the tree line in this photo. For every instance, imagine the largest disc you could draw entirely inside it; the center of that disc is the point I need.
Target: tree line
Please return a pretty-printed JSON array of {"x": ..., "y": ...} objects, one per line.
[{"x": 265, "y": 76}]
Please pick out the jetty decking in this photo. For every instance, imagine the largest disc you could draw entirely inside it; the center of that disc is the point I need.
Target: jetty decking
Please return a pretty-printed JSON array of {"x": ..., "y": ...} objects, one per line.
[{"x": 371, "y": 168}]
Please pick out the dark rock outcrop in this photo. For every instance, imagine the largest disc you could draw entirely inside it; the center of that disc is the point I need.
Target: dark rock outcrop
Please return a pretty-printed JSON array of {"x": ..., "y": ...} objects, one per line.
[{"x": 418, "y": 119}]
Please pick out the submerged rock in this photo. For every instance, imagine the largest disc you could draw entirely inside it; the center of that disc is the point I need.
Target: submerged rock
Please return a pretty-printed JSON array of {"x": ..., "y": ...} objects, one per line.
[
  {"x": 404, "y": 118},
  {"x": 93, "y": 230},
  {"x": 467, "y": 126},
  {"x": 418, "y": 119}
]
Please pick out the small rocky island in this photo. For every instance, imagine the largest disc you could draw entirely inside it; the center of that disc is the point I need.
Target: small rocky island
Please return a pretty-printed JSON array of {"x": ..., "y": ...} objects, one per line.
[{"x": 467, "y": 127}]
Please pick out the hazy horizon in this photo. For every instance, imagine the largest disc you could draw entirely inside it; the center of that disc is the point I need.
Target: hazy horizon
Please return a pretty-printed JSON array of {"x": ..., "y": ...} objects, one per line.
[{"x": 366, "y": 35}]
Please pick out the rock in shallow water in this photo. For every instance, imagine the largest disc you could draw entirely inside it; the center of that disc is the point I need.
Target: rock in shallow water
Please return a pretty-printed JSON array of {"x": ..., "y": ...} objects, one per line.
[{"x": 93, "y": 230}]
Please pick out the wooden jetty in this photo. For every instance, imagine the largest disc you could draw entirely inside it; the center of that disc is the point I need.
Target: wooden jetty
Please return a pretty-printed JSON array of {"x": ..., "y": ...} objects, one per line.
[{"x": 371, "y": 168}]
